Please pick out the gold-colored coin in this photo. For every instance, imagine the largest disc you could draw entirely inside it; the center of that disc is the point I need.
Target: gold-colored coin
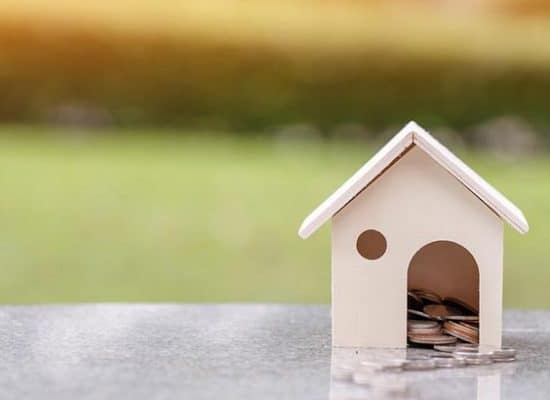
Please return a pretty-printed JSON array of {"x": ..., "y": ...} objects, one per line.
[
  {"x": 428, "y": 295},
  {"x": 431, "y": 339},
  {"x": 425, "y": 331},
  {"x": 462, "y": 331},
  {"x": 453, "y": 301},
  {"x": 441, "y": 311},
  {"x": 419, "y": 314},
  {"x": 474, "y": 319}
]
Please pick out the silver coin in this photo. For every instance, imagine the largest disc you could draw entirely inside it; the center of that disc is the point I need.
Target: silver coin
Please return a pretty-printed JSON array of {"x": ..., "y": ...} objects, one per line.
[
  {"x": 472, "y": 354},
  {"x": 431, "y": 339},
  {"x": 504, "y": 352},
  {"x": 441, "y": 355},
  {"x": 424, "y": 331},
  {"x": 478, "y": 361},
  {"x": 504, "y": 359},
  {"x": 446, "y": 348},
  {"x": 383, "y": 365},
  {"x": 495, "y": 352},
  {"x": 467, "y": 346},
  {"x": 416, "y": 357},
  {"x": 419, "y": 314},
  {"x": 422, "y": 324}
]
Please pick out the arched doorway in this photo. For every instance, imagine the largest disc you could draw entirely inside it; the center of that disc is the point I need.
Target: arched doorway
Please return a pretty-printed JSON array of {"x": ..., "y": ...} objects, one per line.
[{"x": 447, "y": 269}]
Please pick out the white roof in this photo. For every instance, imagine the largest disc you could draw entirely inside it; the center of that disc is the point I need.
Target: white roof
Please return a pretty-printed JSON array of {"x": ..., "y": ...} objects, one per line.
[{"x": 413, "y": 134}]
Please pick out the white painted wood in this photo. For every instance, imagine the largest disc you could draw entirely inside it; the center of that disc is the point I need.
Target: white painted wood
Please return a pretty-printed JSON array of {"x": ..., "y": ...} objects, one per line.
[
  {"x": 417, "y": 202},
  {"x": 412, "y": 133}
]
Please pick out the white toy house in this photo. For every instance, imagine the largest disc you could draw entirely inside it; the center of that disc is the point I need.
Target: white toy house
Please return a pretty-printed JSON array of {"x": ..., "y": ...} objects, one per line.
[{"x": 413, "y": 216}]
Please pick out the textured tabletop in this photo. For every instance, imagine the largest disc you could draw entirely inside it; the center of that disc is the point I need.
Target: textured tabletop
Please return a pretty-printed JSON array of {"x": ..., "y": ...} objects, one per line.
[{"x": 117, "y": 351}]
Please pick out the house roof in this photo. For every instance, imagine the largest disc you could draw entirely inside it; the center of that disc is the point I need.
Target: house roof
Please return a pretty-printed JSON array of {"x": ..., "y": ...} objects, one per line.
[{"x": 413, "y": 134}]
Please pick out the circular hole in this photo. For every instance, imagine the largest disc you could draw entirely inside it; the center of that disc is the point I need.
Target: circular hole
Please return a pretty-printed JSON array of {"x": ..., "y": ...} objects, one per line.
[{"x": 371, "y": 244}]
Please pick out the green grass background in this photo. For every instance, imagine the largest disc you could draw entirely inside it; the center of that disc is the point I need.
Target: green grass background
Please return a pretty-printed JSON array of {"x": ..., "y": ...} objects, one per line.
[{"x": 160, "y": 216}]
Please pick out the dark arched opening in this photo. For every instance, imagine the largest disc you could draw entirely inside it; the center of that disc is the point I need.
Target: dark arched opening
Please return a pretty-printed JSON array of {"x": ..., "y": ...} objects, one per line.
[{"x": 449, "y": 271}]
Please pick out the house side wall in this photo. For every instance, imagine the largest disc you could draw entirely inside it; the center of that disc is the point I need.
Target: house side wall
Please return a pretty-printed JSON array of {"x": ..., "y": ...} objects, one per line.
[{"x": 414, "y": 203}]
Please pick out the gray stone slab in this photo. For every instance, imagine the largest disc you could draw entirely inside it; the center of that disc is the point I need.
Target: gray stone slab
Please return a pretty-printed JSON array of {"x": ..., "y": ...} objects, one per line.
[{"x": 165, "y": 351}]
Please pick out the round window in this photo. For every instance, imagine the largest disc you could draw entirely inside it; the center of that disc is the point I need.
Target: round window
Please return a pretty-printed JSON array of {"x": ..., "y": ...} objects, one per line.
[{"x": 371, "y": 244}]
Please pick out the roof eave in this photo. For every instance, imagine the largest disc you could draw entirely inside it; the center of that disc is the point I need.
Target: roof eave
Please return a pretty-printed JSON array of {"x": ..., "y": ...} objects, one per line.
[{"x": 411, "y": 134}]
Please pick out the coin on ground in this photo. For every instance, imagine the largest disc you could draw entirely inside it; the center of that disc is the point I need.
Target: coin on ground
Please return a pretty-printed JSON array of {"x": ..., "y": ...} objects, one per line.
[
  {"x": 505, "y": 359},
  {"x": 504, "y": 352},
  {"x": 383, "y": 365},
  {"x": 478, "y": 361},
  {"x": 468, "y": 347},
  {"x": 438, "y": 354},
  {"x": 418, "y": 364},
  {"x": 445, "y": 348}
]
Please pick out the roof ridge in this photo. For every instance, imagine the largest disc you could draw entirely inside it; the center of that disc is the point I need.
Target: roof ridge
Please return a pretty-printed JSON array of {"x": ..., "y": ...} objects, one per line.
[{"x": 412, "y": 133}]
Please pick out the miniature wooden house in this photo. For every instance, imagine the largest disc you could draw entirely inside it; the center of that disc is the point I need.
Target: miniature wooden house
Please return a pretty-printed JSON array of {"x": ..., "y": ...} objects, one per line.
[{"x": 413, "y": 216}]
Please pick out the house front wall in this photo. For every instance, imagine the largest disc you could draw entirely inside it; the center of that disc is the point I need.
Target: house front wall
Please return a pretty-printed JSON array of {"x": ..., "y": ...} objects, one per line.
[{"x": 415, "y": 202}]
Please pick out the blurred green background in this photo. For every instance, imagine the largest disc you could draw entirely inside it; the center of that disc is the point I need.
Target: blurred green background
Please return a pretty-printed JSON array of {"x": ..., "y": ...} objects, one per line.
[{"x": 169, "y": 150}]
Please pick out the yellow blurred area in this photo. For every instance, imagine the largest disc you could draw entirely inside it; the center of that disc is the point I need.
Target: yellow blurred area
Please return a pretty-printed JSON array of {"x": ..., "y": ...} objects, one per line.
[{"x": 503, "y": 32}]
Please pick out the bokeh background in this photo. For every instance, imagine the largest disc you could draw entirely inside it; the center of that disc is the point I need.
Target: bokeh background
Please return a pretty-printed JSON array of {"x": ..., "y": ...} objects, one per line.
[{"x": 168, "y": 150}]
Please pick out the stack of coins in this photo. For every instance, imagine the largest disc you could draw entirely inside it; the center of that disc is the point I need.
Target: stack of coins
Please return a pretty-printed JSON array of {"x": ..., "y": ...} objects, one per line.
[{"x": 433, "y": 320}]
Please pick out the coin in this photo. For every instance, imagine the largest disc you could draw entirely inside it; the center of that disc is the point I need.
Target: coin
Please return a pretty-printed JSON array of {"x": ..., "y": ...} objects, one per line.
[
  {"x": 427, "y": 295},
  {"x": 431, "y": 339},
  {"x": 419, "y": 314},
  {"x": 504, "y": 352},
  {"x": 462, "y": 304},
  {"x": 425, "y": 331},
  {"x": 383, "y": 365},
  {"x": 423, "y": 327},
  {"x": 422, "y": 324},
  {"x": 478, "y": 361},
  {"x": 445, "y": 348},
  {"x": 468, "y": 318},
  {"x": 440, "y": 311},
  {"x": 472, "y": 354},
  {"x": 437, "y": 354},
  {"x": 467, "y": 346},
  {"x": 504, "y": 359},
  {"x": 462, "y": 331}
]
